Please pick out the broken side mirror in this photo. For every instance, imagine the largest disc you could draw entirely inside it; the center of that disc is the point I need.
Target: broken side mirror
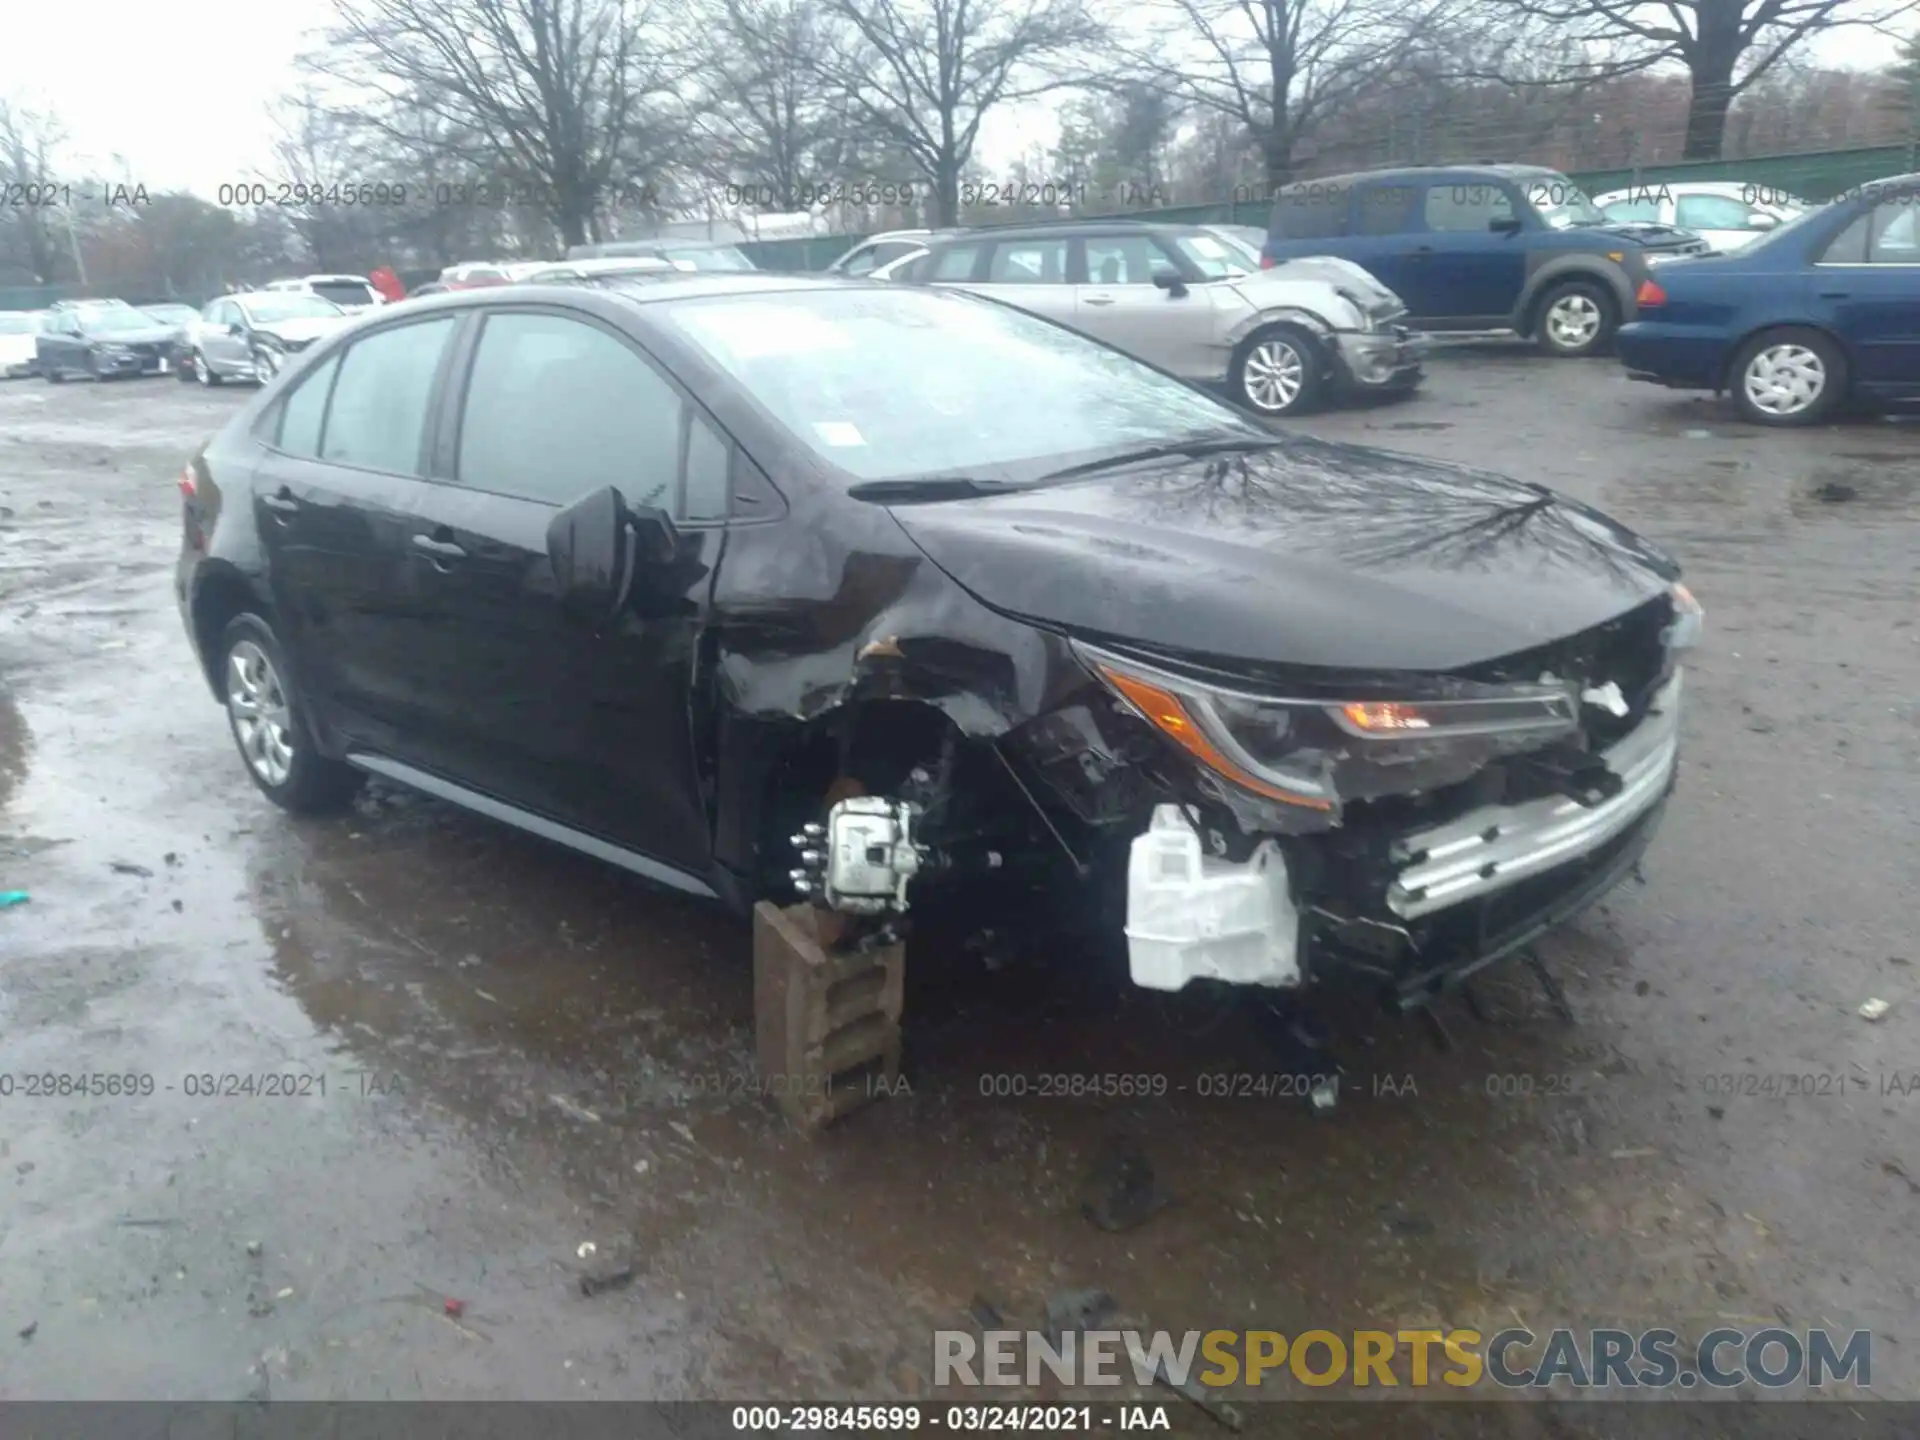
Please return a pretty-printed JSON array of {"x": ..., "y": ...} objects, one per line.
[
  {"x": 1170, "y": 281},
  {"x": 1505, "y": 225},
  {"x": 598, "y": 544}
]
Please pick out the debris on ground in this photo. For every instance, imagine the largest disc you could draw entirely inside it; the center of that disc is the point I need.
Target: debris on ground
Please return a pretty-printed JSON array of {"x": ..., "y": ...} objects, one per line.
[
  {"x": 1199, "y": 1395},
  {"x": 610, "y": 1279},
  {"x": 1119, "y": 1192},
  {"x": 1874, "y": 1009},
  {"x": 13, "y": 897},
  {"x": 986, "y": 1314},
  {"x": 127, "y": 867},
  {"x": 29, "y": 1330},
  {"x": 1832, "y": 492},
  {"x": 1071, "y": 1311},
  {"x": 585, "y": 1249},
  {"x": 453, "y": 1308},
  {"x": 577, "y": 1112}
]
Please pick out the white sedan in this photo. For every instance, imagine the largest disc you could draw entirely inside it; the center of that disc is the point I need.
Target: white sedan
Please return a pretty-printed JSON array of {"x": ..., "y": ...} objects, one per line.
[
  {"x": 17, "y": 348},
  {"x": 1725, "y": 213}
]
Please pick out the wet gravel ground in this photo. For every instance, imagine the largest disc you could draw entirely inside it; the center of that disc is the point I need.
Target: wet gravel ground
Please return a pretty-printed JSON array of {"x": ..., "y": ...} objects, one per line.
[{"x": 523, "y": 1050}]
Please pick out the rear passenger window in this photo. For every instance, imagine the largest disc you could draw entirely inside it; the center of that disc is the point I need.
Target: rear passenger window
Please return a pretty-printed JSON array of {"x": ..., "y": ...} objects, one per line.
[
  {"x": 1029, "y": 262},
  {"x": 1466, "y": 206},
  {"x": 1385, "y": 209},
  {"x": 558, "y": 408},
  {"x": 303, "y": 410},
  {"x": 379, "y": 410},
  {"x": 956, "y": 262}
]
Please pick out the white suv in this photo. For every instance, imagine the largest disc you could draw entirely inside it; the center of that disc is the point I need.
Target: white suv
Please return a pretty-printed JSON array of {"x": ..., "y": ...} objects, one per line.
[{"x": 349, "y": 292}]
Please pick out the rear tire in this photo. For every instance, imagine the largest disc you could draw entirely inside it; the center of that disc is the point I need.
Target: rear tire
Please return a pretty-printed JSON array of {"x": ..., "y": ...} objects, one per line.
[
  {"x": 271, "y": 726},
  {"x": 1576, "y": 318},
  {"x": 1278, "y": 371},
  {"x": 1788, "y": 377}
]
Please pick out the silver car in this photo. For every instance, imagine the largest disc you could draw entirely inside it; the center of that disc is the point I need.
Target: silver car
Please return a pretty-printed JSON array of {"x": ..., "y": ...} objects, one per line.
[
  {"x": 1279, "y": 340},
  {"x": 250, "y": 336}
]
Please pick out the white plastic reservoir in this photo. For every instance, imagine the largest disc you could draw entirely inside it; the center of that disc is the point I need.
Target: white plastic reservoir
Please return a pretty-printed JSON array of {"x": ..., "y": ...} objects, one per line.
[{"x": 1192, "y": 916}]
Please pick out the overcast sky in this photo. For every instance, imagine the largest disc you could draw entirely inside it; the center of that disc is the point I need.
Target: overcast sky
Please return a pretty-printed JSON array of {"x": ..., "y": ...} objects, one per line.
[{"x": 182, "y": 94}]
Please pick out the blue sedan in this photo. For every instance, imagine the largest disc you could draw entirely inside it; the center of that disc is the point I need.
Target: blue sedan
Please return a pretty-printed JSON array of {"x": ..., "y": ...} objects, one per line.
[{"x": 1824, "y": 307}]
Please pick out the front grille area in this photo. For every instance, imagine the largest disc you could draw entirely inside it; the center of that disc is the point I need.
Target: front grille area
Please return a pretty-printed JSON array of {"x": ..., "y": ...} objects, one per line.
[{"x": 1628, "y": 651}]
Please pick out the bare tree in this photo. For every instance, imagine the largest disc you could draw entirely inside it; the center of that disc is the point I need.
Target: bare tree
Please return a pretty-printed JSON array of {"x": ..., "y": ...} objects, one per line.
[
  {"x": 1727, "y": 46},
  {"x": 776, "y": 124},
  {"x": 1279, "y": 68},
  {"x": 1115, "y": 143},
  {"x": 923, "y": 74},
  {"x": 571, "y": 103},
  {"x": 31, "y": 231}
]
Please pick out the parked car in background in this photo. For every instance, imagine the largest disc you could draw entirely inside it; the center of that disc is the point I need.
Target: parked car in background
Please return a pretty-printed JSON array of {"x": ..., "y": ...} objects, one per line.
[
  {"x": 1725, "y": 213},
  {"x": 881, "y": 249},
  {"x": 251, "y": 335},
  {"x": 690, "y": 254},
  {"x": 899, "y": 267},
  {"x": 349, "y": 292},
  {"x": 90, "y": 304},
  {"x": 169, "y": 312},
  {"x": 1823, "y": 307},
  {"x": 470, "y": 275},
  {"x": 102, "y": 341},
  {"x": 612, "y": 265},
  {"x": 1482, "y": 247},
  {"x": 665, "y": 573},
  {"x": 19, "y": 348},
  {"x": 1246, "y": 241},
  {"x": 1180, "y": 298}
]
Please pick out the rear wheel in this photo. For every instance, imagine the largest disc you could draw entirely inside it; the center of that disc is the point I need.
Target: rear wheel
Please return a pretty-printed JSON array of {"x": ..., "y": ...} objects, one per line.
[
  {"x": 271, "y": 727},
  {"x": 1577, "y": 317},
  {"x": 1788, "y": 377},
  {"x": 1278, "y": 372}
]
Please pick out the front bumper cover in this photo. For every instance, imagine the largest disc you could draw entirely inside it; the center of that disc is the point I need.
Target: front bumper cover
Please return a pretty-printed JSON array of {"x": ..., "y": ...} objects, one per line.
[{"x": 1381, "y": 359}]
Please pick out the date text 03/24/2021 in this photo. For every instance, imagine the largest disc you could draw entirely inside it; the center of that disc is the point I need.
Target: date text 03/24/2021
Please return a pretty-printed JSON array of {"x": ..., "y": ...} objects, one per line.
[
  {"x": 958, "y": 1419},
  {"x": 198, "y": 1085}
]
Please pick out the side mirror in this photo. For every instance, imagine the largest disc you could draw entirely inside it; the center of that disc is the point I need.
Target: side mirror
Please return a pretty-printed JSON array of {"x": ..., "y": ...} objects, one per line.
[
  {"x": 597, "y": 544},
  {"x": 1759, "y": 221},
  {"x": 1170, "y": 281},
  {"x": 234, "y": 327},
  {"x": 1505, "y": 225}
]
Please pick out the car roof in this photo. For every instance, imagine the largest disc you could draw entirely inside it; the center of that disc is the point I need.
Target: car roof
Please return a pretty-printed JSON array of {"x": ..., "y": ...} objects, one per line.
[
  {"x": 654, "y": 287},
  {"x": 1417, "y": 172},
  {"x": 1068, "y": 228}
]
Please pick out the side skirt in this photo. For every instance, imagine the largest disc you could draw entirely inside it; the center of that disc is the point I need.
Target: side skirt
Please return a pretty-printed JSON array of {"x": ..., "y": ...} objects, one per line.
[{"x": 526, "y": 820}]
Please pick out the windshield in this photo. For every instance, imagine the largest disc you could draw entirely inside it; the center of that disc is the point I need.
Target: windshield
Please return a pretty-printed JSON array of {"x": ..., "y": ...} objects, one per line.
[
  {"x": 1558, "y": 201},
  {"x": 17, "y": 323},
  {"x": 1217, "y": 255},
  {"x": 708, "y": 257},
  {"x": 265, "y": 310},
  {"x": 108, "y": 320},
  {"x": 896, "y": 384}
]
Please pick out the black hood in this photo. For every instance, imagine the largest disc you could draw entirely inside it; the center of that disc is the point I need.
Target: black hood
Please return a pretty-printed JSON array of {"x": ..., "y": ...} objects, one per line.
[{"x": 1309, "y": 554}]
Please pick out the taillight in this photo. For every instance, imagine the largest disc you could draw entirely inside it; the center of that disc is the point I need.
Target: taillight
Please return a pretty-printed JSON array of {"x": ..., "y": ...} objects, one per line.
[
  {"x": 1266, "y": 262},
  {"x": 188, "y": 490},
  {"x": 1650, "y": 295}
]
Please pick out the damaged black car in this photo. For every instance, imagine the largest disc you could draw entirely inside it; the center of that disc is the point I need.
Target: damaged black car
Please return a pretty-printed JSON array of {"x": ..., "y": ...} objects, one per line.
[{"x": 851, "y": 596}]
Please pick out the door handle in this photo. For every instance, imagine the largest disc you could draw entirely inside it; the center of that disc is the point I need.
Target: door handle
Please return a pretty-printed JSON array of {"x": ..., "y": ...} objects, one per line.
[
  {"x": 281, "y": 502},
  {"x": 1099, "y": 299},
  {"x": 440, "y": 550}
]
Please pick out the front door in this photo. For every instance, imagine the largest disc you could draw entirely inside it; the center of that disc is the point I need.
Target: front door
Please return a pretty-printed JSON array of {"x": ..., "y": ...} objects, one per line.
[
  {"x": 585, "y": 725},
  {"x": 1467, "y": 272},
  {"x": 1868, "y": 282},
  {"x": 1121, "y": 304}
]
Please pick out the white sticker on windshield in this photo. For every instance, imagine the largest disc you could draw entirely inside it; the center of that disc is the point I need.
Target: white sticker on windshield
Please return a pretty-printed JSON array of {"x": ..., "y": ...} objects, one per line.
[
  {"x": 1208, "y": 246},
  {"x": 838, "y": 433}
]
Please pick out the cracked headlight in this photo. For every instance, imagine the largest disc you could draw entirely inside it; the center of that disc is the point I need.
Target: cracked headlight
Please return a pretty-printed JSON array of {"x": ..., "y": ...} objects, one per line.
[
  {"x": 1317, "y": 751},
  {"x": 1689, "y": 619},
  {"x": 1364, "y": 323}
]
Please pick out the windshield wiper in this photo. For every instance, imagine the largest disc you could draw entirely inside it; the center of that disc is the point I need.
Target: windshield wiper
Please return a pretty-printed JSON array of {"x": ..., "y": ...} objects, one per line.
[
  {"x": 1193, "y": 446},
  {"x": 930, "y": 487}
]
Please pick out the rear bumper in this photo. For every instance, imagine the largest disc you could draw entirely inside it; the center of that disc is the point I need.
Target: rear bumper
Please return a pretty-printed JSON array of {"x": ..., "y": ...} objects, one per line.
[{"x": 1666, "y": 354}]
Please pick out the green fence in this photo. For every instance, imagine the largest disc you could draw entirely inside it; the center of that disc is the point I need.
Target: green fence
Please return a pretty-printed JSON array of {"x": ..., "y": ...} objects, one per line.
[{"x": 1818, "y": 176}]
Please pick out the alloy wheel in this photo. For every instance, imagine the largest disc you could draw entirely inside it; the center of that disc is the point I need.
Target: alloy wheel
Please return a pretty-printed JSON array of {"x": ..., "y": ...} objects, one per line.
[
  {"x": 257, "y": 706},
  {"x": 1273, "y": 375},
  {"x": 1572, "y": 321},
  {"x": 1785, "y": 379}
]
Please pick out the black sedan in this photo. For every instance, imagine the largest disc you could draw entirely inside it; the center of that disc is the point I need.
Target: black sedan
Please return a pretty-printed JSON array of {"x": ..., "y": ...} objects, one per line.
[
  {"x": 102, "y": 341},
  {"x": 862, "y": 595}
]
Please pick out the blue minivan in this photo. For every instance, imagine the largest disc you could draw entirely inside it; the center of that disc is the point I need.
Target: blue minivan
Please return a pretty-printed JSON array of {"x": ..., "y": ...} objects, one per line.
[
  {"x": 1824, "y": 307},
  {"x": 1481, "y": 247}
]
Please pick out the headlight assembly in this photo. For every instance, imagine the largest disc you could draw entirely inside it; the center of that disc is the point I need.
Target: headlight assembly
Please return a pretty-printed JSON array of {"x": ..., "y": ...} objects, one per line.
[
  {"x": 1689, "y": 619},
  {"x": 1316, "y": 752},
  {"x": 1365, "y": 322}
]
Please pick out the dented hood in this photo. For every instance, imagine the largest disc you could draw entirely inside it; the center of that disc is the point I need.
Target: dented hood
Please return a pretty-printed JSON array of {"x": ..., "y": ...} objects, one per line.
[{"x": 1310, "y": 554}]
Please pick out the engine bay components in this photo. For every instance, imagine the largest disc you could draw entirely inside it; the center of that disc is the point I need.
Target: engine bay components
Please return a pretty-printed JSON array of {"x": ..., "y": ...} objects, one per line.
[{"x": 1193, "y": 916}]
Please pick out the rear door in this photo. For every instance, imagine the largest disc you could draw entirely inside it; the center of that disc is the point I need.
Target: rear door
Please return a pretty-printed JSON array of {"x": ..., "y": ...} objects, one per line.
[
  {"x": 1032, "y": 273},
  {"x": 1386, "y": 229},
  {"x": 587, "y": 727},
  {"x": 1868, "y": 283},
  {"x": 1466, "y": 272},
  {"x": 1121, "y": 304},
  {"x": 335, "y": 500}
]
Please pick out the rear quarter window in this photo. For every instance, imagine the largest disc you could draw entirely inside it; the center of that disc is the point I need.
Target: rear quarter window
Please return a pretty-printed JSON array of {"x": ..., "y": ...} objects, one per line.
[
  {"x": 1313, "y": 210},
  {"x": 343, "y": 292}
]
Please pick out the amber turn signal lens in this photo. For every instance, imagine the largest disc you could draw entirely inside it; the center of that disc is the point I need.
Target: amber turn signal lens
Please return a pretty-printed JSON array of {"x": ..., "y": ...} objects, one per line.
[
  {"x": 1650, "y": 295},
  {"x": 1379, "y": 717},
  {"x": 1170, "y": 716}
]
